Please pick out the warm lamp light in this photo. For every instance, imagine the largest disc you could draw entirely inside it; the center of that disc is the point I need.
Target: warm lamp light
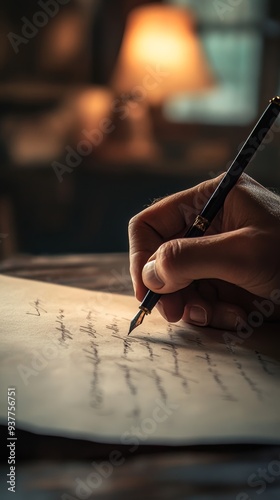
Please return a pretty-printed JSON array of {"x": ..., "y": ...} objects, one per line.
[{"x": 161, "y": 55}]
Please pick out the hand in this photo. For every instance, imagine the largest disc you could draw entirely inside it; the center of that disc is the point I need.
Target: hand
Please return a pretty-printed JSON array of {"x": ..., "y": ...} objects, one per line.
[{"x": 215, "y": 279}]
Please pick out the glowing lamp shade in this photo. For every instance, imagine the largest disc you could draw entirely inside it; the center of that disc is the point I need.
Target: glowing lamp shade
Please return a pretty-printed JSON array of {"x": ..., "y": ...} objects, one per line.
[{"x": 161, "y": 55}]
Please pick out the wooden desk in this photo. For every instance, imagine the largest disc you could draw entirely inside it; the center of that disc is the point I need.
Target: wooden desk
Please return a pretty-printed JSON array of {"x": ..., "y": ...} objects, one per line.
[{"x": 197, "y": 472}]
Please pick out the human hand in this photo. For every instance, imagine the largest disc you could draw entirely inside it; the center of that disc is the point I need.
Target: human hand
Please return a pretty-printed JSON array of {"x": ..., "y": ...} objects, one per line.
[{"x": 215, "y": 279}]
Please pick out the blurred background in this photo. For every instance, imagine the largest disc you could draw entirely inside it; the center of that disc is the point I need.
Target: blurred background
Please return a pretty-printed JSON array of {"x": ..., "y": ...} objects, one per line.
[{"x": 106, "y": 105}]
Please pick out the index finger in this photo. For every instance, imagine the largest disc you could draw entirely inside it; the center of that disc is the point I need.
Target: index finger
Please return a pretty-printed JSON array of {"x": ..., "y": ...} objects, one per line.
[{"x": 167, "y": 219}]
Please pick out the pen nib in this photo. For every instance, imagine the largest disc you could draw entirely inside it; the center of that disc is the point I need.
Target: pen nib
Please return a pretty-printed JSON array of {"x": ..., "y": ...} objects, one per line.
[{"x": 137, "y": 320}]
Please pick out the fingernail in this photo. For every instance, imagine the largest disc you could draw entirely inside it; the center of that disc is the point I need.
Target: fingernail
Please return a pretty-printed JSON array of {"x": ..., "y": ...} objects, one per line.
[
  {"x": 150, "y": 276},
  {"x": 198, "y": 315}
]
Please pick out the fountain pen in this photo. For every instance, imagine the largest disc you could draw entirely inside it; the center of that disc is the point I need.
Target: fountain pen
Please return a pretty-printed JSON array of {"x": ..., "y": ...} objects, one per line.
[{"x": 216, "y": 201}]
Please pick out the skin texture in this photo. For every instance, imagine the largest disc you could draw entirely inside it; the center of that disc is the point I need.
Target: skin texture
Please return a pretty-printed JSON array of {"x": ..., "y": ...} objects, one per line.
[{"x": 215, "y": 279}]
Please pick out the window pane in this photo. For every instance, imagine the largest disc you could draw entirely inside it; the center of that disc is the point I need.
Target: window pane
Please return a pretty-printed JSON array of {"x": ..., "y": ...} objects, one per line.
[
  {"x": 228, "y": 11},
  {"x": 235, "y": 59},
  {"x": 235, "y": 56}
]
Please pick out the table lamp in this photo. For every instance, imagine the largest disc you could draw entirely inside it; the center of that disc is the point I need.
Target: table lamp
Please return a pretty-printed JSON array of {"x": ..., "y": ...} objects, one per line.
[{"x": 161, "y": 55}]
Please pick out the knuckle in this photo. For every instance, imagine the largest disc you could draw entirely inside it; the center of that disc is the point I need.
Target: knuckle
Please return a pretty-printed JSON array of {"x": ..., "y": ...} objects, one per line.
[
  {"x": 133, "y": 221},
  {"x": 134, "y": 224},
  {"x": 139, "y": 220},
  {"x": 167, "y": 255}
]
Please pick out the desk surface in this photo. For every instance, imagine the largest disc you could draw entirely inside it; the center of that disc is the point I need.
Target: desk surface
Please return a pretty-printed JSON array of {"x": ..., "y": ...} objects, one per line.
[{"x": 196, "y": 473}]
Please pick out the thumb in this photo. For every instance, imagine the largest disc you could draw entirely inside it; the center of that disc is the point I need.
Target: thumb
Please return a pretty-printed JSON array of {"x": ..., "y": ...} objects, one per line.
[{"x": 226, "y": 256}]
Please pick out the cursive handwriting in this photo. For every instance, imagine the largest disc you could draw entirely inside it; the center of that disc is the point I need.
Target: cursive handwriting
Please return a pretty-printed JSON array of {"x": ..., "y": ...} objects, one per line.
[
  {"x": 217, "y": 377},
  {"x": 37, "y": 308},
  {"x": 65, "y": 334},
  {"x": 96, "y": 393},
  {"x": 89, "y": 327}
]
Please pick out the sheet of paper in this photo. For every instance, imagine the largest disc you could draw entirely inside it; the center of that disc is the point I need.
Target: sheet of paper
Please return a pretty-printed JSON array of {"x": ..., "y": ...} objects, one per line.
[{"x": 76, "y": 373}]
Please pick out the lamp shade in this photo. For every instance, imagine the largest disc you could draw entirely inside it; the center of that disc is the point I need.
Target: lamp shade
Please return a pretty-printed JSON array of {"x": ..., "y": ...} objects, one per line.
[{"x": 161, "y": 55}]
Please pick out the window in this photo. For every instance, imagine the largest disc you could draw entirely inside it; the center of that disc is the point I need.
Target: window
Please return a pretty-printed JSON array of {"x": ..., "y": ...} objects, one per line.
[{"x": 231, "y": 34}]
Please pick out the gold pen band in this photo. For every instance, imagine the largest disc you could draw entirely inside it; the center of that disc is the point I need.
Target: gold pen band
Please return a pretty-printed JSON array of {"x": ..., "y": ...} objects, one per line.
[
  {"x": 276, "y": 100},
  {"x": 201, "y": 223},
  {"x": 145, "y": 309}
]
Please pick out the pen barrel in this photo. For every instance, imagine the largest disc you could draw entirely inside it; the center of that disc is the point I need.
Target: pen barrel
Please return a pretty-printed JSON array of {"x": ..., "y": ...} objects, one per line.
[
  {"x": 194, "y": 232},
  {"x": 149, "y": 301},
  {"x": 241, "y": 161},
  {"x": 216, "y": 201}
]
